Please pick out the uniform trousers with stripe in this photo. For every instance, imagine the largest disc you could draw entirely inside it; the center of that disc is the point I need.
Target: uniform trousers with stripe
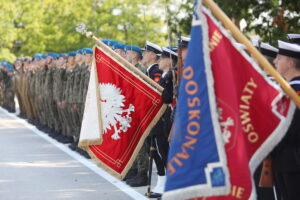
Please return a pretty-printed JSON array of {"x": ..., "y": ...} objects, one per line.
[{"x": 160, "y": 155}]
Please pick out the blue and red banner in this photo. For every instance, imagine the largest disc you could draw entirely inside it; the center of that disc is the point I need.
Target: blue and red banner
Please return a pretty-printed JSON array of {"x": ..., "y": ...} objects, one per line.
[
  {"x": 197, "y": 163},
  {"x": 223, "y": 89}
]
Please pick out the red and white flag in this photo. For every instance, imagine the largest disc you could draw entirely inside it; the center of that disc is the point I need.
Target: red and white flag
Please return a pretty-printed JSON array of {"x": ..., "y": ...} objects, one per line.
[{"x": 127, "y": 106}]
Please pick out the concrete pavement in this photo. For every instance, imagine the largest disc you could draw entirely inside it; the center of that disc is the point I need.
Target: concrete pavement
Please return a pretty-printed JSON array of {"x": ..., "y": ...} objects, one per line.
[{"x": 33, "y": 166}]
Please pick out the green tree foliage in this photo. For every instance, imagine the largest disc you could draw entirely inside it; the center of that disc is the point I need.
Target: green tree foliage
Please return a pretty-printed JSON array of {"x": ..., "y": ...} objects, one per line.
[
  {"x": 39, "y": 26},
  {"x": 31, "y": 26},
  {"x": 276, "y": 19},
  {"x": 270, "y": 19}
]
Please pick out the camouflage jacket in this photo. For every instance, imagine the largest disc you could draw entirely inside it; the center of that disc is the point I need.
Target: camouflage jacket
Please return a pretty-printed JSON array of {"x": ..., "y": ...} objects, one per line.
[{"x": 76, "y": 84}]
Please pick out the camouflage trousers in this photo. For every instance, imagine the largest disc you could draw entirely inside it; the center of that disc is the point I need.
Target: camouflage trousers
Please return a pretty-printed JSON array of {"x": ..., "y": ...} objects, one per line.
[
  {"x": 1, "y": 94},
  {"x": 141, "y": 162}
]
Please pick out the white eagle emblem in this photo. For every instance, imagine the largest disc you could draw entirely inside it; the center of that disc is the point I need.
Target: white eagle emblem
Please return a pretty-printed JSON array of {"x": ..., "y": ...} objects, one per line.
[
  {"x": 112, "y": 110},
  {"x": 225, "y": 124}
]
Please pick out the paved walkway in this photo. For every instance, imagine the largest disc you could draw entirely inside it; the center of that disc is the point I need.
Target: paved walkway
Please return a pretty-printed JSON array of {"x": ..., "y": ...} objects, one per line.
[{"x": 33, "y": 166}]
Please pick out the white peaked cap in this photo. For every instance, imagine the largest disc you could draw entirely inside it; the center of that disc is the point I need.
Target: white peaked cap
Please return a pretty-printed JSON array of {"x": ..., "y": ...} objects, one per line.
[{"x": 289, "y": 49}]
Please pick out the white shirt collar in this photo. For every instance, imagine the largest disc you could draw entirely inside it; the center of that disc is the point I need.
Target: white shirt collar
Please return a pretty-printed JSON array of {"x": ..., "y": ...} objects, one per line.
[{"x": 164, "y": 74}]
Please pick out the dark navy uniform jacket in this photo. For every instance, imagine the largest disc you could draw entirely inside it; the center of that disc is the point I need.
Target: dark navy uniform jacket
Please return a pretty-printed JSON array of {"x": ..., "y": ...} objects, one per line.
[
  {"x": 154, "y": 73},
  {"x": 163, "y": 126},
  {"x": 286, "y": 155}
]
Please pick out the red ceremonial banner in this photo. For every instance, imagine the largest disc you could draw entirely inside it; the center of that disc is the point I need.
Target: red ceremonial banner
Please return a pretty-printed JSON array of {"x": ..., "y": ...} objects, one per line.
[
  {"x": 129, "y": 108},
  {"x": 253, "y": 112}
]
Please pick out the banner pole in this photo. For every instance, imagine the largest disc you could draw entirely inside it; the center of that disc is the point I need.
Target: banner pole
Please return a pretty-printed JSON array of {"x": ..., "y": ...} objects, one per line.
[
  {"x": 239, "y": 36},
  {"x": 179, "y": 63},
  {"x": 152, "y": 148}
]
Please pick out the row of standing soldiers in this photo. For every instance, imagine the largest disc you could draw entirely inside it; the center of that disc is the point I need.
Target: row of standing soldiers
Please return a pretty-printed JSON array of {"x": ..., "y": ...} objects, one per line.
[{"x": 51, "y": 92}]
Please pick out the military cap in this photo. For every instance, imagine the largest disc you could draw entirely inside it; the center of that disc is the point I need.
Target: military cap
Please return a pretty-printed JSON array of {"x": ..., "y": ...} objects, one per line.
[
  {"x": 63, "y": 54},
  {"x": 185, "y": 41},
  {"x": 152, "y": 47},
  {"x": 256, "y": 43},
  {"x": 133, "y": 48},
  {"x": 37, "y": 56},
  {"x": 173, "y": 48},
  {"x": 289, "y": 49},
  {"x": 105, "y": 41},
  {"x": 52, "y": 55},
  {"x": 294, "y": 38},
  {"x": 4, "y": 62},
  {"x": 87, "y": 51},
  {"x": 10, "y": 67},
  {"x": 268, "y": 50},
  {"x": 79, "y": 51},
  {"x": 111, "y": 42},
  {"x": 56, "y": 55},
  {"x": 73, "y": 53},
  {"x": 265, "y": 48},
  {"x": 168, "y": 53},
  {"x": 118, "y": 45}
]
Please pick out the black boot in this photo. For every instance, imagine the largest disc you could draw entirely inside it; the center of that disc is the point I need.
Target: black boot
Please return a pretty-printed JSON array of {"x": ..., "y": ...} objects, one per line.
[
  {"x": 138, "y": 180},
  {"x": 131, "y": 173}
]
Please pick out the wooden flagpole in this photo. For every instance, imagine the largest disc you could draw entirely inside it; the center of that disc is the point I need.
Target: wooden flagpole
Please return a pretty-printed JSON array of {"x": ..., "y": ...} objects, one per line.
[
  {"x": 251, "y": 49},
  {"x": 124, "y": 62}
]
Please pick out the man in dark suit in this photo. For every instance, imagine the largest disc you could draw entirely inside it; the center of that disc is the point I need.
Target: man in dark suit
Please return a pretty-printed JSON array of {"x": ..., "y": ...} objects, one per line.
[
  {"x": 286, "y": 155},
  {"x": 160, "y": 132}
]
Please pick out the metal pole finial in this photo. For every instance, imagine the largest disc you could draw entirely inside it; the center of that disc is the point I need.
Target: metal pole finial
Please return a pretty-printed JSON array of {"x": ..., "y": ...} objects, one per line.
[{"x": 81, "y": 28}]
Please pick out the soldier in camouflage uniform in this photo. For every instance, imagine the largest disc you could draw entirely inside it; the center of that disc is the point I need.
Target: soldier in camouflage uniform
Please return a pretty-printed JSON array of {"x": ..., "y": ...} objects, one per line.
[
  {"x": 3, "y": 75},
  {"x": 48, "y": 92},
  {"x": 9, "y": 95},
  {"x": 66, "y": 98},
  {"x": 23, "y": 94},
  {"x": 17, "y": 84},
  {"x": 58, "y": 89},
  {"x": 134, "y": 56},
  {"x": 1, "y": 83},
  {"x": 31, "y": 90},
  {"x": 38, "y": 65},
  {"x": 50, "y": 103},
  {"x": 75, "y": 95},
  {"x": 88, "y": 53},
  {"x": 150, "y": 58},
  {"x": 26, "y": 88},
  {"x": 40, "y": 82}
]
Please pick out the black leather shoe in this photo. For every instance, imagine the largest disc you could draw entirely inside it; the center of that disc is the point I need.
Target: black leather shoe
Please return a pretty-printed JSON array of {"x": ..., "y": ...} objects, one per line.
[
  {"x": 154, "y": 195},
  {"x": 85, "y": 154},
  {"x": 72, "y": 146}
]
